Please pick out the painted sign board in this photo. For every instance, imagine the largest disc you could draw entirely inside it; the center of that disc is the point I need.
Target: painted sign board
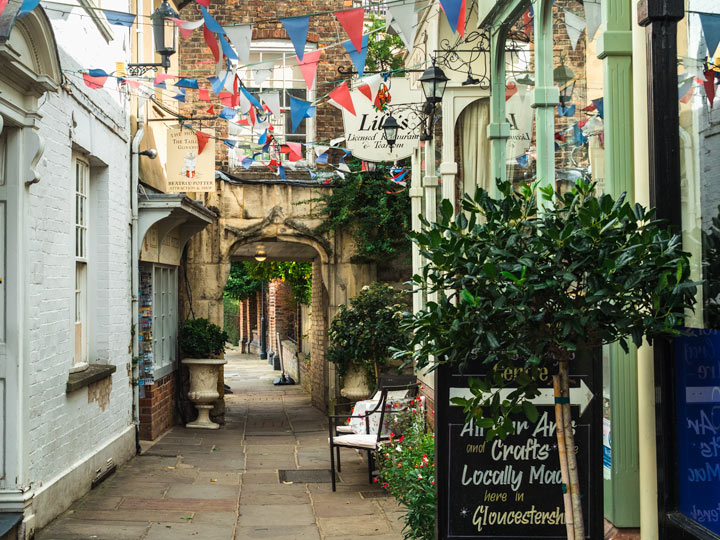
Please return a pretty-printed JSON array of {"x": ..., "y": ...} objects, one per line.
[
  {"x": 364, "y": 135},
  {"x": 186, "y": 170},
  {"x": 512, "y": 488},
  {"x": 697, "y": 369}
]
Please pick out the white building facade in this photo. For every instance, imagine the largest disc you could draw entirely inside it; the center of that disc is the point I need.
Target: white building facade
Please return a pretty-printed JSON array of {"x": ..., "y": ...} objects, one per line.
[{"x": 66, "y": 396}]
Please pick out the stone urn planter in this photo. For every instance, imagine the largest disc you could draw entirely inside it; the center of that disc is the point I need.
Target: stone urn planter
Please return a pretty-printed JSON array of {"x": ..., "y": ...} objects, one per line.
[
  {"x": 355, "y": 384},
  {"x": 203, "y": 392}
]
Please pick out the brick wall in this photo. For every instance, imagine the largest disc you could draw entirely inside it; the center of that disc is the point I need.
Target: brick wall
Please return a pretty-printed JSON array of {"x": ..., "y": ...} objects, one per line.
[
  {"x": 157, "y": 407},
  {"x": 318, "y": 339},
  {"x": 323, "y": 31}
]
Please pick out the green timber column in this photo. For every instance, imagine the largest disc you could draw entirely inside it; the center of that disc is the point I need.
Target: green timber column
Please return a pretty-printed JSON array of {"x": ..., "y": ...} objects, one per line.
[
  {"x": 498, "y": 130},
  {"x": 614, "y": 47},
  {"x": 546, "y": 95}
]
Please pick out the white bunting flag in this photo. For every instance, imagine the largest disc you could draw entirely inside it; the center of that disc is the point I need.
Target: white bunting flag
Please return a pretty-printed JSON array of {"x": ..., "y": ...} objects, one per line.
[
  {"x": 593, "y": 17},
  {"x": 404, "y": 20},
  {"x": 575, "y": 25},
  {"x": 240, "y": 36},
  {"x": 272, "y": 100}
]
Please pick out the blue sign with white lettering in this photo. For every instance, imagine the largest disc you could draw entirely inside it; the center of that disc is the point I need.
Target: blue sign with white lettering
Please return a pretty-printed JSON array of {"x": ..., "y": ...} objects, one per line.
[{"x": 697, "y": 367}]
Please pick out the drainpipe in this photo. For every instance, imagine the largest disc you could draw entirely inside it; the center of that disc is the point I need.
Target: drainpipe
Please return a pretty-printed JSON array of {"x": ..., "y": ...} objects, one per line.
[
  {"x": 134, "y": 240},
  {"x": 263, "y": 325}
]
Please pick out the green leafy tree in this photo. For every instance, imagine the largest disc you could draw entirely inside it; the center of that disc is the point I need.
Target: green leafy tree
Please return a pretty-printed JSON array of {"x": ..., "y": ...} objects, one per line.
[
  {"x": 363, "y": 333},
  {"x": 524, "y": 287},
  {"x": 240, "y": 285},
  {"x": 298, "y": 275},
  {"x": 384, "y": 50},
  {"x": 372, "y": 208}
]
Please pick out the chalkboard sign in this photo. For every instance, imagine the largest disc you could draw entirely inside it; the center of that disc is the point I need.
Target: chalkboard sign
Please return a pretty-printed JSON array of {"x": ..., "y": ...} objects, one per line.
[
  {"x": 512, "y": 487},
  {"x": 697, "y": 368}
]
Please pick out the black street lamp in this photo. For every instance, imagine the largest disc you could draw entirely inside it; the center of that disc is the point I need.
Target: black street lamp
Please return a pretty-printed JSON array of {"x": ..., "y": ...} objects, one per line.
[
  {"x": 165, "y": 38},
  {"x": 433, "y": 82},
  {"x": 390, "y": 128},
  {"x": 565, "y": 79}
]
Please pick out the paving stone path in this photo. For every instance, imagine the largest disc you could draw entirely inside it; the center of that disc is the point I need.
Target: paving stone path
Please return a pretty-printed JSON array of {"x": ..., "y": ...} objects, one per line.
[{"x": 225, "y": 485}]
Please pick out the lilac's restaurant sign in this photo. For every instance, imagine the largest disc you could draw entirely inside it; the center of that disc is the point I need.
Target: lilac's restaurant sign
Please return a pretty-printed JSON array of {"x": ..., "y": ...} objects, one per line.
[
  {"x": 186, "y": 170},
  {"x": 364, "y": 133}
]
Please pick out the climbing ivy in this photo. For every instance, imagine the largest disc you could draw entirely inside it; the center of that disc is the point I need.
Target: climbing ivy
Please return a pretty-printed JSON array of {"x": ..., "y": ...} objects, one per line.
[
  {"x": 247, "y": 278},
  {"x": 372, "y": 208}
]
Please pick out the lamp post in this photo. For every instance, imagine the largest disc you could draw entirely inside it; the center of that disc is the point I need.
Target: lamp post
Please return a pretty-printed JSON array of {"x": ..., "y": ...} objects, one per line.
[
  {"x": 165, "y": 38},
  {"x": 565, "y": 79},
  {"x": 390, "y": 129}
]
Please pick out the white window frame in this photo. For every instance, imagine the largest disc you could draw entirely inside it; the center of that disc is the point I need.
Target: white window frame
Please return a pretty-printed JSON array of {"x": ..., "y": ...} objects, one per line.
[
  {"x": 164, "y": 318},
  {"x": 282, "y": 53},
  {"x": 81, "y": 175}
]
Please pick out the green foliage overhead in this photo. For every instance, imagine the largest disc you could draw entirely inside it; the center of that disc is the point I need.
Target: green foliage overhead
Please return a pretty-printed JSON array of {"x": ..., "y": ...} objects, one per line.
[
  {"x": 240, "y": 285},
  {"x": 199, "y": 338},
  {"x": 298, "y": 275},
  {"x": 520, "y": 286},
  {"x": 372, "y": 208},
  {"x": 384, "y": 50},
  {"x": 363, "y": 333}
]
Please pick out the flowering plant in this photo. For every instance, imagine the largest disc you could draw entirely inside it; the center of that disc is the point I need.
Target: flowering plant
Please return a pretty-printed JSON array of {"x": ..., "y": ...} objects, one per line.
[{"x": 407, "y": 471}]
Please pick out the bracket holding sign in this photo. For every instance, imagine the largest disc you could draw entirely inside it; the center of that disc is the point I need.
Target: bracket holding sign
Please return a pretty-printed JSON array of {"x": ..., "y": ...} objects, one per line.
[{"x": 512, "y": 487}]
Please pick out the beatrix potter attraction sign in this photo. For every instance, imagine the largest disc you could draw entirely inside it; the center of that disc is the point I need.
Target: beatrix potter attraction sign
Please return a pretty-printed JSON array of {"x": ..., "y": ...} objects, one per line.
[{"x": 364, "y": 130}]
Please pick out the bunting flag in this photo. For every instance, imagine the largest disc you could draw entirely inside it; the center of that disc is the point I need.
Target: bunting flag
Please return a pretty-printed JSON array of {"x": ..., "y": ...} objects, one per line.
[
  {"x": 685, "y": 82},
  {"x": 27, "y": 6},
  {"x": 247, "y": 162},
  {"x": 295, "y": 151},
  {"x": 3, "y": 5},
  {"x": 95, "y": 78},
  {"x": 574, "y": 25},
  {"x": 598, "y": 104},
  {"x": 593, "y": 17},
  {"x": 358, "y": 58},
  {"x": 709, "y": 85},
  {"x": 262, "y": 141},
  {"x": 262, "y": 72},
  {"x": 133, "y": 84},
  {"x": 187, "y": 83},
  {"x": 160, "y": 79},
  {"x": 211, "y": 109},
  {"x": 297, "y": 30},
  {"x": 211, "y": 42},
  {"x": 352, "y": 22},
  {"x": 370, "y": 87},
  {"x": 202, "y": 139},
  {"x": 299, "y": 110},
  {"x": 711, "y": 30},
  {"x": 272, "y": 101},
  {"x": 461, "y": 20},
  {"x": 118, "y": 18},
  {"x": 566, "y": 111},
  {"x": 252, "y": 99},
  {"x": 203, "y": 94},
  {"x": 522, "y": 160},
  {"x": 322, "y": 158},
  {"x": 510, "y": 90},
  {"x": 240, "y": 36},
  {"x": 341, "y": 96},
  {"x": 321, "y": 149},
  {"x": 228, "y": 113},
  {"x": 308, "y": 66},
  {"x": 205, "y": 3},
  {"x": 180, "y": 96},
  {"x": 281, "y": 172},
  {"x": 403, "y": 18},
  {"x": 187, "y": 27},
  {"x": 227, "y": 49},
  {"x": 452, "y": 12},
  {"x": 210, "y": 22}
]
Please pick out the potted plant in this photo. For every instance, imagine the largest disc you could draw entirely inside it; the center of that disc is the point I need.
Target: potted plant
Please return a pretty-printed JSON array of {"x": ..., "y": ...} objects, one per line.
[
  {"x": 203, "y": 345},
  {"x": 362, "y": 334},
  {"x": 520, "y": 285}
]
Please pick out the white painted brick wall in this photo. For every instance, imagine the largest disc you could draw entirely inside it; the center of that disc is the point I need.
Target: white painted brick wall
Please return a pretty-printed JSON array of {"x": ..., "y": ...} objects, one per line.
[{"x": 64, "y": 428}]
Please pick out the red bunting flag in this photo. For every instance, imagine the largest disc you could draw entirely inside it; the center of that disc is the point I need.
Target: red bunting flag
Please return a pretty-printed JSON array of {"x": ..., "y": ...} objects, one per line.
[
  {"x": 295, "y": 151},
  {"x": 211, "y": 109},
  {"x": 212, "y": 43},
  {"x": 252, "y": 115},
  {"x": 204, "y": 94},
  {"x": 94, "y": 82},
  {"x": 366, "y": 91},
  {"x": 161, "y": 78},
  {"x": 461, "y": 20},
  {"x": 133, "y": 84},
  {"x": 341, "y": 96},
  {"x": 202, "y": 139},
  {"x": 510, "y": 90},
  {"x": 352, "y": 21},
  {"x": 226, "y": 98},
  {"x": 3, "y": 4},
  {"x": 709, "y": 84},
  {"x": 308, "y": 66},
  {"x": 236, "y": 95},
  {"x": 204, "y": 3}
]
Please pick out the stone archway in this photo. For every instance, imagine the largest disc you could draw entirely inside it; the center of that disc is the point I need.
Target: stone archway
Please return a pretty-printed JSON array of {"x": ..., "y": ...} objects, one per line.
[{"x": 275, "y": 215}]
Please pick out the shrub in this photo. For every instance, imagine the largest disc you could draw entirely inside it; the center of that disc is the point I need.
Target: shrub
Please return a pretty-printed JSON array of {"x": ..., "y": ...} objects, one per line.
[
  {"x": 362, "y": 334},
  {"x": 407, "y": 471},
  {"x": 199, "y": 338}
]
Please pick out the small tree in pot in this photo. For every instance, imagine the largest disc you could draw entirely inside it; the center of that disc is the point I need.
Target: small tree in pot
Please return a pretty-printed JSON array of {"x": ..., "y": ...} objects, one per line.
[
  {"x": 520, "y": 286},
  {"x": 362, "y": 334},
  {"x": 203, "y": 345}
]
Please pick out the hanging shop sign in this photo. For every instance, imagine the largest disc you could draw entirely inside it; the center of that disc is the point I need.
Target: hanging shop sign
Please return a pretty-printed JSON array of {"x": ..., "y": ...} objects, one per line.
[
  {"x": 697, "y": 368},
  {"x": 190, "y": 166},
  {"x": 364, "y": 130},
  {"x": 512, "y": 487}
]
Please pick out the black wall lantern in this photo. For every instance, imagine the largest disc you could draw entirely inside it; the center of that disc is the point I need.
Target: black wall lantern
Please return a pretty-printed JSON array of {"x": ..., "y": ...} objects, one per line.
[
  {"x": 433, "y": 82},
  {"x": 565, "y": 79},
  {"x": 390, "y": 128},
  {"x": 165, "y": 38}
]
